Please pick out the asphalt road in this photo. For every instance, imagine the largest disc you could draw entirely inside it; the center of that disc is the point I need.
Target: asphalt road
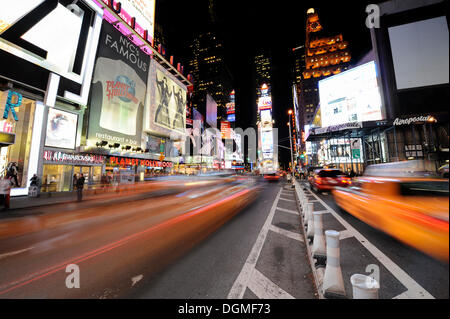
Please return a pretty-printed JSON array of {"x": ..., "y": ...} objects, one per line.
[
  {"x": 114, "y": 247},
  {"x": 430, "y": 273}
]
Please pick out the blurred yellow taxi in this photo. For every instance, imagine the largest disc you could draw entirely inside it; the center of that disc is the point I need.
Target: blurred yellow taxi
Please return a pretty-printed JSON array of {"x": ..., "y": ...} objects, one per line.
[{"x": 404, "y": 200}]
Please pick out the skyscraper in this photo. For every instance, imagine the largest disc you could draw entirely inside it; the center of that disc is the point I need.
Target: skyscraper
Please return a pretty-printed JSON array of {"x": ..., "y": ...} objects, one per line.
[
  {"x": 263, "y": 72},
  {"x": 210, "y": 73},
  {"x": 324, "y": 53}
]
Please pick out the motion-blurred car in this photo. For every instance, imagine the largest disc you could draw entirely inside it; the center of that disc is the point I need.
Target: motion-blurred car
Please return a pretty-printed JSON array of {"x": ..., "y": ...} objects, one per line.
[
  {"x": 272, "y": 176},
  {"x": 327, "y": 179},
  {"x": 443, "y": 171},
  {"x": 407, "y": 203}
]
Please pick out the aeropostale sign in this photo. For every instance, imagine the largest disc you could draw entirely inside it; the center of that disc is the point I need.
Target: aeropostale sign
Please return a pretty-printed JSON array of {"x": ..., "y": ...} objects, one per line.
[{"x": 123, "y": 161}]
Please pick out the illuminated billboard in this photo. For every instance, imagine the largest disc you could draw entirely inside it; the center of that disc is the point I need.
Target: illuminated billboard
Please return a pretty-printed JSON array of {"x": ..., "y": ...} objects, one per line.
[
  {"x": 211, "y": 111},
  {"x": 118, "y": 90},
  {"x": 143, "y": 11},
  {"x": 267, "y": 141},
  {"x": 56, "y": 36},
  {"x": 230, "y": 108},
  {"x": 61, "y": 129},
  {"x": 165, "y": 110},
  {"x": 265, "y": 103},
  {"x": 225, "y": 128},
  {"x": 231, "y": 117},
  {"x": 351, "y": 96}
]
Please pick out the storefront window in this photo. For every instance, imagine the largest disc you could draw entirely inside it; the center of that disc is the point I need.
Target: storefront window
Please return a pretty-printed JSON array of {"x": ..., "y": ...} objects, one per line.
[
  {"x": 19, "y": 152},
  {"x": 56, "y": 178}
]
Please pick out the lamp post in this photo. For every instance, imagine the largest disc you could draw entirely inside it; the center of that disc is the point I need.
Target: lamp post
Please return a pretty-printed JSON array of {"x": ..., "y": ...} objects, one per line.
[{"x": 290, "y": 141}]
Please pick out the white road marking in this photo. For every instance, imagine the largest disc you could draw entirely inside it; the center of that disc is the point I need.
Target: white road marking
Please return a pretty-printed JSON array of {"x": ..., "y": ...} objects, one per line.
[
  {"x": 5, "y": 255},
  {"x": 286, "y": 233},
  {"x": 403, "y": 295},
  {"x": 344, "y": 234},
  {"x": 287, "y": 200},
  {"x": 288, "y": 210},
  {"x": 415, "y": 291},
  {"x": 264, "y": 288},
  {"x": 136, "y": 279},
  {"x": 238, "y": 289}
]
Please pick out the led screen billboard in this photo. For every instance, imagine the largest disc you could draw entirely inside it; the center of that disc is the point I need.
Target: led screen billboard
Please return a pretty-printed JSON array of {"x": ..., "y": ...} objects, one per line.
[
  {"x": 351, "y": 96},
  {"x": 165, "y": 110},
  {"x": 211, "y": 111},
  {"x": 118, "y": 89},
  {"x": 267, "y": 141},
  {"x": 225, "y": 128},
  {"x": 61, "y": 129},
  {"x": 143, "y": 11},
  {"x": 420, "y": 53}
]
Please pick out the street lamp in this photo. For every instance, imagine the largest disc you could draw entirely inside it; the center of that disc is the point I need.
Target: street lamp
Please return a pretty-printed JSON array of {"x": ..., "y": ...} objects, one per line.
[{"x": 290, "y": 141}]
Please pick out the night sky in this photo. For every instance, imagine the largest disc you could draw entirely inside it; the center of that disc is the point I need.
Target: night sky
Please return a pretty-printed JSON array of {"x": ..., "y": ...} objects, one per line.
[{"x": 248, "y": 26}]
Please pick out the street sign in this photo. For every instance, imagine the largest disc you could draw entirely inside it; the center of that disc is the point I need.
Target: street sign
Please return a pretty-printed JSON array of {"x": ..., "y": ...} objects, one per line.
[{"x": 356, "y": 153}]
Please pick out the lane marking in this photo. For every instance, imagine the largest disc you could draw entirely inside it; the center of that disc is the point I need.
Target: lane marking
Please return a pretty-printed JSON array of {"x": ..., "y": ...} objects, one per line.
[
  {"x": 414, "y": 290},
  {"x": 5, "y": 255},
  {"x": 345, "y": 234},
  {"x": 136, "y": 279},
  {"x": 287, "y": 200},
  {"x": 288, "y": 210},
  {"x": 403, "y": 295},
  {"x": 240, "y": 284},
  {"x": 286, "y": 233},
  {"x": 264, "y": 288}
]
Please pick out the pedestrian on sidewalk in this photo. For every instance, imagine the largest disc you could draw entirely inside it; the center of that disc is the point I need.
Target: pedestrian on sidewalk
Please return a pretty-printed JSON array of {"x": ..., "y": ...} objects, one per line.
[
  {"x": 80, "y": 186},
  {"x": 12, "y": 173},
  {"x": 34, "y": 186},
  {"x": 5, "y": 190}
]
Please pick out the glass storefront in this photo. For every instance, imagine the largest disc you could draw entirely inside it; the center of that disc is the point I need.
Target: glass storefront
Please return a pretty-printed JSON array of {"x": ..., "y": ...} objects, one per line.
[
  {"x": 19, "y": 152},
  {"x": 57, "y": 178}
]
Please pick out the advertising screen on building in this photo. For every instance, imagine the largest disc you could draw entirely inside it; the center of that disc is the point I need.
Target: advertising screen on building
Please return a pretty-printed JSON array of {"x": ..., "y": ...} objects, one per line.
[
  {"x": 264, "y": 103},
  {"x": 420, "y": 53},
  {"x": 61, "y": 129},
  {"x": 57, "y": 27},
  {"x": 231, "y": 117},
  {"x": 118, "y": 90},
  {"x": 351, "y": 96},
  {"x": 225, "y": 129},
  {"x": 143, "y": 11},
  {"x": 230, "y": 108},
  {"x": 267, "y": 141},
  {"x": 165, "y": 111},
  {"x": 211, "y": 111}
]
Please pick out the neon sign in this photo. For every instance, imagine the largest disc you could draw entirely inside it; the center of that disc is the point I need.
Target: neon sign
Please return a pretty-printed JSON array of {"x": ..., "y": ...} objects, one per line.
[{"x": 10, "y": 105}]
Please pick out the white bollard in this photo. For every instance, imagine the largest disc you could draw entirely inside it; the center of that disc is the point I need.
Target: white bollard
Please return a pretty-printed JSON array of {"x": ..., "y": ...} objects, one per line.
[
  {"x": 309, "y": 207},
  {"x": 310, "y": 230},
  {"x": 333, "y": 284},
  {"x": 364, "y": 287},
  {"x": 319, "y": 247}
]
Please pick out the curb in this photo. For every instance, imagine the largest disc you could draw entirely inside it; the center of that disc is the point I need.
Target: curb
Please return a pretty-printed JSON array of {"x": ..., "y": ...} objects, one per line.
[{"x": 317, "y": 273}]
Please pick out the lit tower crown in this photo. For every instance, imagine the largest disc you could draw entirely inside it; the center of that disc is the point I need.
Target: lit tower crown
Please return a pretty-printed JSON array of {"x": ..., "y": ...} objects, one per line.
[{"x": 324, "y": 53}]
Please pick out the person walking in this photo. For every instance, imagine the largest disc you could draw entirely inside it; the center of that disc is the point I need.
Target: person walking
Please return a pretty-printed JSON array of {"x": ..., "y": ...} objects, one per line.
[
  {"x": 5, "y": 189},
  {"x": 80, "y": 186}
]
